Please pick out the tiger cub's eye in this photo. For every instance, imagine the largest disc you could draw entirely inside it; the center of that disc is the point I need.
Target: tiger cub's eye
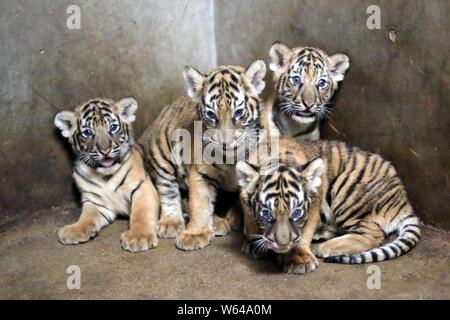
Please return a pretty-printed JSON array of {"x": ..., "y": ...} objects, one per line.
[
  {"x": 266, "y": 215},
  {"x": 295, "y": 80},
  {"x": 211, "y": 115},
  {"x": 297, "y": 214},
  {"x": 87, "y": 133},
  {"x": 238, "y": 113},
  {"x": 113, "y": 128},
  {"x": 322, "y": 83}
]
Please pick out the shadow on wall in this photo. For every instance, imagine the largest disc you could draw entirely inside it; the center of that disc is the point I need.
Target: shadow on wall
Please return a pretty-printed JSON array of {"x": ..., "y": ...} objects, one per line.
[
  {"x": 133, "y": 47},
  {"x": 394, "y": 99}
]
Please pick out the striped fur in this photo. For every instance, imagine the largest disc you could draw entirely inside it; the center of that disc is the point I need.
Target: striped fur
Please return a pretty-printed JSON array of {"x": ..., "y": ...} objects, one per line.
[
  {"x": 305, "y": 80},
  {"x": 227, "y": 98},
  {"x": 352, "y": 197},
  {"x": 109, "y": 172}
]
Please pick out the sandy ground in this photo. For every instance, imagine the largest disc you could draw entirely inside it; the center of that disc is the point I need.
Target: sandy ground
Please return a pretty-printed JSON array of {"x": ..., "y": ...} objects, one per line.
[{"x": 33, "y": 265}]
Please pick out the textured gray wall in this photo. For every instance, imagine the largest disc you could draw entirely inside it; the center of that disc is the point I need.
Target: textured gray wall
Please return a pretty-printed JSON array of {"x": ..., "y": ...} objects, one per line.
[
  {"x": 395, "y": 99},
  {"x": 126, "y": 47}
]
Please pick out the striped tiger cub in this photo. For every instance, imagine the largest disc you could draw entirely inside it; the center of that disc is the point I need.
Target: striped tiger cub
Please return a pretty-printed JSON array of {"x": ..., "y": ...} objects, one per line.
[
  {"x": 330, "y": 190},
  {"x": 225, "y": 104},
  {"x": 305, "y": 80},
  {"x": 109, "y": 172}
]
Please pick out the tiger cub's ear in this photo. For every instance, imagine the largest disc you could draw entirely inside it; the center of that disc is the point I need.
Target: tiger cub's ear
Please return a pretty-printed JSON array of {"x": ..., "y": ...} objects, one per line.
[
  {"x": 338, "y": 64},
  {"x": 254, "y": 75},
  {"x": 194, "y": 81},
  {"x": 247, "y": 176},
  {"x": 279, "y": 57},
  {"x": 66, "y": 121},
  {"x": 126, "y": 108},
  {"x": 312, "y": 172}
]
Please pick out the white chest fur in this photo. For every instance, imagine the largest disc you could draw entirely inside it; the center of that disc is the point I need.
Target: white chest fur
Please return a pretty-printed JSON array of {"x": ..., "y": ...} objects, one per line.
[{"x": 109, "y": 193}]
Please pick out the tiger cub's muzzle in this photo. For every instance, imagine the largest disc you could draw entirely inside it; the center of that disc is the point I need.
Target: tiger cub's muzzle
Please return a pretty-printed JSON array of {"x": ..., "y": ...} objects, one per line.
[{"x": 282, "y": 235}]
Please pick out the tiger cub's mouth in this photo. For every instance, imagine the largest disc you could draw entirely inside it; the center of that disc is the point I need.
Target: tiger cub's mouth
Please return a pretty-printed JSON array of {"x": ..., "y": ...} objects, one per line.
[
  {"x": 279, "y": 248},
  {"x": 107, "y": 162}
]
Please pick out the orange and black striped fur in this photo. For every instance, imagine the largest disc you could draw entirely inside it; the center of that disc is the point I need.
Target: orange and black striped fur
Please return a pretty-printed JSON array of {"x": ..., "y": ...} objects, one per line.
[
  {"x": 109, "y": 172},
  {"x": 225, "y": 102},
  {"x": 305, "y": 80},
  {"x": 325, "y": 189}
]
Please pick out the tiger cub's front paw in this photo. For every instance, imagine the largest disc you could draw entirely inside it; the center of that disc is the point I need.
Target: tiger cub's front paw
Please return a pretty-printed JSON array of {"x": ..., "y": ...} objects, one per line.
[
  {"x": 77, "y": 233},
  {"x": 170, "y": 227},
  {"x": 194, "y": 239},
  {"x": 221, "y": 226},
  {"x": 138, "y": 241},
  {"x": 298, "y": 262}
]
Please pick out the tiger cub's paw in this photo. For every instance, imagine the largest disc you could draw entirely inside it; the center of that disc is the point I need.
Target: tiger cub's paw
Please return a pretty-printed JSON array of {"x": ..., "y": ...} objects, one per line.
[
  {"x": 194, "y": 239},
  {"x": 298, "y": 262},
  {"x": 170, "y": 227},
  {"x": 138, "y": 241},
  {"x": 77, "y": 233},
  {"x": 221, "y": 226}
]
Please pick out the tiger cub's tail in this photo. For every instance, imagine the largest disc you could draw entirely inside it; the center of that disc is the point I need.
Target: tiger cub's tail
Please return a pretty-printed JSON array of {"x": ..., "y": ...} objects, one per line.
[{"x": 408, "y": 236}]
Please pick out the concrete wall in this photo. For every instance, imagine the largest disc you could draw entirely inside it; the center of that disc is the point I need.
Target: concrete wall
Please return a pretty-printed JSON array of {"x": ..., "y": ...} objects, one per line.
[
  {"x": 124, "y": 47},
  {"x": 393, "y": 101}
]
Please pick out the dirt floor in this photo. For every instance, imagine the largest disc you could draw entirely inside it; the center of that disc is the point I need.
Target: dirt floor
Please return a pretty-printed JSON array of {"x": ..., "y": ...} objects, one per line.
[{"x": 33, "y": 265}]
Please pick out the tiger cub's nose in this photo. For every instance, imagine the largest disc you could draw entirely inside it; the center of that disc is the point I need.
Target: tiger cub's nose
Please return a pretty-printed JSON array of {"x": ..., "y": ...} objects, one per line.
[{"x": 104, "y": 151}]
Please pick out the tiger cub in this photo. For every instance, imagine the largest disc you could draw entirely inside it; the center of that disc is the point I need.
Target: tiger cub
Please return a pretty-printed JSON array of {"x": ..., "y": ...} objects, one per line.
[
  {"x": 305, "y": 80},
  {"x": 109, "y": 172},
  {"x": 351, "y": 197},
  {"x": 222, "y": 115}
]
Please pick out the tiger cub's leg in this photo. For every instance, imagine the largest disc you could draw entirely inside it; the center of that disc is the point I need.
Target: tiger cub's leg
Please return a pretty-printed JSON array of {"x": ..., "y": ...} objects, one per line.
[
  {"x": 231, "y": 221},
  {"x": 202, "y": 196},
  {"x": 221, "y": 226},
  {"x": 235, "y": 216},
  {"x": 171, "y": 222},
  {"x": 360, "y": 238},
  {"x": 299, "y": 260},
  {"x": 325, "y": 233},
  {"x": 143, "y": 220},
  {"x": 87, "y": 226}
]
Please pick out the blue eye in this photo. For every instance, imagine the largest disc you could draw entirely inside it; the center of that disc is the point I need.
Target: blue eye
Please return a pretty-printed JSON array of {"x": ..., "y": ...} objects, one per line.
[
  {"x": 113, "y": 128},
  {"x": 87, "y": 133},
  {"x": 211, "y": 115},
  {"x": 297, "y": 214},
  {"x": 266, "y": 215},
  {"x": 238, "y": 113},
  {"x": 295, "y": 80},
  {"x": 322, "y": 83}
]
